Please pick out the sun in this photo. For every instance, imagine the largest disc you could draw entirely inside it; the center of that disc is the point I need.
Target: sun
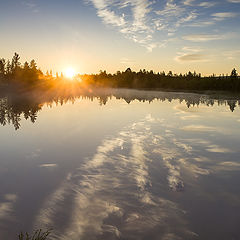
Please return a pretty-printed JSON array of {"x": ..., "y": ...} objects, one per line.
[{"x": 69, "y": 72}]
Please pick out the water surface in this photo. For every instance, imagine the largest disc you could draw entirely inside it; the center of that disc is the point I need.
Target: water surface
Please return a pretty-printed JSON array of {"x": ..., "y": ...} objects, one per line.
[{"x": 120, "y": 164}]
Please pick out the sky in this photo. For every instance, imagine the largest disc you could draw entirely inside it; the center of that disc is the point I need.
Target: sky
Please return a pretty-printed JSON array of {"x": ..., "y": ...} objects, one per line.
[{"x": 112, "y": 35}]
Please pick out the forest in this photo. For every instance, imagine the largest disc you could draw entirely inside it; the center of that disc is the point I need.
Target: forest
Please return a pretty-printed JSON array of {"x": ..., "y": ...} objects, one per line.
[{"x": 28, "y": 76}]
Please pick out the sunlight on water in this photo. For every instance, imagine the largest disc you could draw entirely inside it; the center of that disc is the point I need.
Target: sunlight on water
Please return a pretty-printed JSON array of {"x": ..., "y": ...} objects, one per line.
[{"x": 121, "y": 164}]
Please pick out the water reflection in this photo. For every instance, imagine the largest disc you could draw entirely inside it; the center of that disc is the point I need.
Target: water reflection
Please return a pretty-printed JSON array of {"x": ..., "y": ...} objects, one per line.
[
  {"x": 112, "y": 194},
  {"x": 15, "y": 106},
  {"x": 129, "y": 188},
  {"x": 166, "y": 170}
]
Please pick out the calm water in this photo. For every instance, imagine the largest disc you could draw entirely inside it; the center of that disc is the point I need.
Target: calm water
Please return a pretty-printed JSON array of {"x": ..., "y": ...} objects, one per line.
[{"x": 121, "y": 164}]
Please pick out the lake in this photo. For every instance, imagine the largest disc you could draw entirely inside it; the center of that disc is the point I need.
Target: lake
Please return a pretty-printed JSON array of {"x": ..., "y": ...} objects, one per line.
[{"x": 121, "y": 164}]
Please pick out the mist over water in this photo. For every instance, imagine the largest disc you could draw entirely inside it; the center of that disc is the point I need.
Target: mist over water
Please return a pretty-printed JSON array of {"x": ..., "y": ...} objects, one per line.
[{"x": 120, "y": 164}]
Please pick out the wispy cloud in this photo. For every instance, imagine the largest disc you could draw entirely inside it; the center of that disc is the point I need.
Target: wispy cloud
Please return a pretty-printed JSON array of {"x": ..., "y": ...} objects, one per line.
[
  {"x": 192, "y": 49},
  {"x": 151, "y": 24},
  {"x": 230, "y": 55},
  {"x": 134, "y": 25},
  {"x": 31, "y": 5},
  {"x": 190, "y": 57},
  {"x": 126, "y": 61},
  {"x": 234, "y": 1},
  {"x": 202, "y": 37},
  {"x": 191, "y": 54},
  {"x": 173, "y": 16},
  {"x": 223, "y": 15},
  {"x": 188, "y": 2},
  {"x": 207, "y": 4},
  {"x": 202, "y": 4},
  {"x": 202, "y": 23}
]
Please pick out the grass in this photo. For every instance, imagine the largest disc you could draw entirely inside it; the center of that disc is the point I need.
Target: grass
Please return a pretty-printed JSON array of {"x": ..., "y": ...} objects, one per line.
[{"x": 38, "y": 235}]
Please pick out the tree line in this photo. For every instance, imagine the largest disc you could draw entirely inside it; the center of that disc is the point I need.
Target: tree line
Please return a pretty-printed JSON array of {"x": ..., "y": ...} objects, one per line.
[
  {"x": 160, "y": 80},
  {"x": 13, "y": 73}
]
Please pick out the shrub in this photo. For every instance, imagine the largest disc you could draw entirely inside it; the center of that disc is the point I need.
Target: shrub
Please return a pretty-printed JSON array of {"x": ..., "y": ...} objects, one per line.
[{"x": 38, "y": 235}]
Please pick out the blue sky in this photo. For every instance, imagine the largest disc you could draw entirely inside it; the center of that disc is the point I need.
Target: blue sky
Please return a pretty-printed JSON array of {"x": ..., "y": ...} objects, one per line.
[{"x": 90, "y": 35}]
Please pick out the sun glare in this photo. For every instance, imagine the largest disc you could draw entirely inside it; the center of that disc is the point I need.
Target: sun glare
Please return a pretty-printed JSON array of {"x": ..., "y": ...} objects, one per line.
[{"x": 69, "y": 72}]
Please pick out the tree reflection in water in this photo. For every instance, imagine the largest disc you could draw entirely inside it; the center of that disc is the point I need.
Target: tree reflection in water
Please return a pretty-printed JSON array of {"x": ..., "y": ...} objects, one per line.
[{"x": 15, "y": 106}]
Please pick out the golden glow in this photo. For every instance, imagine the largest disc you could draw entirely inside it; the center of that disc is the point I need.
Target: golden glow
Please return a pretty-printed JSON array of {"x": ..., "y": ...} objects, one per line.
[{"x": 69, "y": 72}]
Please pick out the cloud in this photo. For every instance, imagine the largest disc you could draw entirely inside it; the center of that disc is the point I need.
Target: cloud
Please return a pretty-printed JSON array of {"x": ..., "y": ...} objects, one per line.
[
  {"x": 107, "y": 15},
  {"x": 140, "y": 9},
  {"x": 188, "y": 2},
  {"x": 136, "y": 26},
  {"x": 110, "y": 17},
  {"x": 194, "y": 57},
  {"x": 215, "y": 17},
  {"x": 31, "y": 5},
  {"x": 126, "y": 61},
  {"x": 234, "y": 1},
  {"x": 202, "y": 37},
  {"x": 230, "y": 55},
  {"x": 192, "y": 49},
  {"x": 141, "y": 20},
  {"x": 170, "y": 9},
  {"x": 151, "y": 25},
  {"x": 192, "y": 54},
  {"x": 202, "y": 4},
  {"x": 202, "y": 23},
  {"x": 207, "y": 4},
  {"x": 223, "y": 15}
]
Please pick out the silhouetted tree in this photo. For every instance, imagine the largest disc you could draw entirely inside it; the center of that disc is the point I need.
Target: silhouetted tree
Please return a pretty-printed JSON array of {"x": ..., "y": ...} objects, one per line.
[
  {"x": 2, "y": 66},
  {"x": 15, "y": 62},
  {"x": 234, "y": 73},
  {"x": 33, "y": 65},
  {"x": 8, "y": 68},
  {"x": 26, "y": 66}
]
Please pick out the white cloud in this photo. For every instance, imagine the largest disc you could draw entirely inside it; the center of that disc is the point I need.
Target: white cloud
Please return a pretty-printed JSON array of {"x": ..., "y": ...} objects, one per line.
[
  {"x": 171, "y": 9},
  {"x": 234, "y": 1},
  {"x": 191, "y": 54},
  {"x": 230, "y": 55},
  {"x": 202, "y": 37},
  {"x": 135, "y": 26},
  {"x": 188, "y": 2},
  {"x": 126, "y": 61},
  {"x": 193, "y": 57},
  {"x": 202, "y": 4},
  {"x": 140, "y": 10},
  {"x": 141, "y": 20},
  {"x": 174, "y": 16},
  {"x": 223, "y": 15},
  {"x": 192, "y": 49},
  {"x": 201, "y": 23},
  {"x": 31, "y": 5},
  {"x": 207, "y": 4},
  {"x": 108, "y": 16}
]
